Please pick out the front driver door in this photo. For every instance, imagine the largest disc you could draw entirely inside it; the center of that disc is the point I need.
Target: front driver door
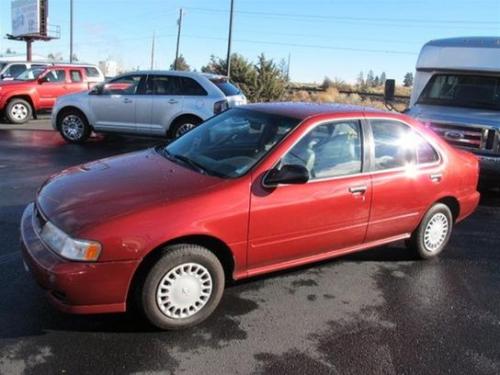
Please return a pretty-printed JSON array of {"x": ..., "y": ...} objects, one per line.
[
  {"x": 114, "y": 108},
  {"x": 51, "y": 86},
  {"x": 329, "y": 213}
]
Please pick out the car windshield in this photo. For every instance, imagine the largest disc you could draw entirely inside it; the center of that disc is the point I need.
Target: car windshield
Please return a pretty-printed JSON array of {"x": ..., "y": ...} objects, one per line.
[
  {"x": 230, "y": 144},
  {"x": 463, "y": 90},
  {"x": 30, "y": 74},
  {"x": 225, "y": 86}
]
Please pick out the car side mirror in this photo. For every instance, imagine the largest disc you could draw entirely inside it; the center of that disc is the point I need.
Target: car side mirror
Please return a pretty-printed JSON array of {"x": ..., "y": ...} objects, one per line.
[
  {"x": 287, "y": 174},
  {"x": 41, "y": 80},
  {"x": 389, "y": 90},
  {"x": 96, "y": 90}
]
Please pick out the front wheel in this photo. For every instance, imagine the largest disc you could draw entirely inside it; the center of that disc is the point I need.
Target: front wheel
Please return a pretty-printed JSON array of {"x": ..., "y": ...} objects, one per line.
[
  {"x": 73, "y": 126},
  {"x": 18, "y": 111},
  {"x": 433, "y": 233},
  {"x": 182, "y": 288},
  {"x": 183, "y": 125}
]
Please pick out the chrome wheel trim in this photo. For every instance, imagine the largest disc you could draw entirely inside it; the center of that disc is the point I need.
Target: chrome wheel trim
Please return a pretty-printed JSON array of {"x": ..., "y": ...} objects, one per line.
[
  {"x": 72, "y": 127},
  {"x": 184, "y": 128},
  {"x": 19, "y": 111},
  {"x": 435, "y": 232},
  {"x": 184, "y": 290}
]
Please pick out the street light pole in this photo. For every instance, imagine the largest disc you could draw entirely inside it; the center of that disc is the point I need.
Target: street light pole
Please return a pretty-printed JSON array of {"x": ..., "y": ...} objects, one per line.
[
  {"x": 179, "y": 24},
  {"x": 228, "y": 60},
  {"x": 70, "y": 31}
]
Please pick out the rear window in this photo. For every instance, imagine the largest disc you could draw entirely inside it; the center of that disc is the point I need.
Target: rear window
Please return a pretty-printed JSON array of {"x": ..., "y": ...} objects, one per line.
[
  {"x": 92, "y": 72},
  {"x": 226, "y": 87},
  {"x": 76, "y": 76},
  {"x": 189, "y": 86}
]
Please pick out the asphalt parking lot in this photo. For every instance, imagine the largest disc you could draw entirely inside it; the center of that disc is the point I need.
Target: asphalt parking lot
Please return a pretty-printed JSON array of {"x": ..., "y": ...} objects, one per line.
[{"x": 377, "y": 312}]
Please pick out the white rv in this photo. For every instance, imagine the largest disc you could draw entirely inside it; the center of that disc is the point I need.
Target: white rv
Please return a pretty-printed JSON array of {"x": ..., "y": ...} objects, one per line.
[{"x": 457, "y": 93}]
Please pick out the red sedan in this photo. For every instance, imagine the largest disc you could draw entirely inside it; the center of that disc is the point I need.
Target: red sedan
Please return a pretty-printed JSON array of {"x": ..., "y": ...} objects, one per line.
[{"x": 253, "y": 190}]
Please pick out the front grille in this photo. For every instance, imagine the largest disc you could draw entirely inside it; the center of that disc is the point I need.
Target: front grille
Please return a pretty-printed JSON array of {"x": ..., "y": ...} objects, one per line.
[{"x": 474, "y": 138}]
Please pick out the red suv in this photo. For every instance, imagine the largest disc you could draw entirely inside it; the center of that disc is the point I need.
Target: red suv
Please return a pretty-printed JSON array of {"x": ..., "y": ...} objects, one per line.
[
  {"x": 37, "y": 89},
  {"x": 253, "y": 190}
]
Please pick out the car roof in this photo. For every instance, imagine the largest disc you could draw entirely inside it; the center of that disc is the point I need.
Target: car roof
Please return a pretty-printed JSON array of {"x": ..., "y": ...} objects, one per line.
[
  {"x": 181, "y": 73},
  {"x": 303, "y": 110},
  {"x": 467, "y": 42}
]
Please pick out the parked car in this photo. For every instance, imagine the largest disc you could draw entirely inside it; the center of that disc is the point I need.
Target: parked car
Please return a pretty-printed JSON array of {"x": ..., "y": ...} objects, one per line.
[
  {"x": 167, "y": 227},
  {"x": 36, "y": 89},
  {"x": 457, "y": 93},
  {"x": 11, "y": 69},
  {"x": 157, "y": 103}
]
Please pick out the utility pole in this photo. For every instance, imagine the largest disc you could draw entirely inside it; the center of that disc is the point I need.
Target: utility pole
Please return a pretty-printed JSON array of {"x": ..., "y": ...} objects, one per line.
[
  {"x": 288, "y": 67},
  {"x": 153, "y": 52},
  {"x": 228, "y": 60},
  {"x": 70, "y": 31},
  {"x": 179, "y": 24}
]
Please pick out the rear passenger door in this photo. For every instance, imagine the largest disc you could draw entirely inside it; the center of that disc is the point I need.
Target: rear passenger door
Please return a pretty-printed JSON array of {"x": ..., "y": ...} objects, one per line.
[
  {"x": 406, "y": 178},
  {"x": 166, "y": 101},
  {"x": 76, "y": 81}
]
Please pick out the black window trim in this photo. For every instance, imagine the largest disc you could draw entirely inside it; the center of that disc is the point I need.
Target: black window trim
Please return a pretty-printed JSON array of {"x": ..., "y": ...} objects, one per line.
[
  {"x": 368, "y": 151},
  {"x": 371, "y": 149},
  {"x": 365, "y": 159},
  {"x": 140, "y": 86}
]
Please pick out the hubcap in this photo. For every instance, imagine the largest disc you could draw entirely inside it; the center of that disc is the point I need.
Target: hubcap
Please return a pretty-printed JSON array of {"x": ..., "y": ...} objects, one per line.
[
  {"x": 184, "y": 290},
  {"x": 184, "y": 128},
  {"x": 72, "y": 127},
  {"x": 435, "y": 232},
  {"x": 19, "y": 111}
]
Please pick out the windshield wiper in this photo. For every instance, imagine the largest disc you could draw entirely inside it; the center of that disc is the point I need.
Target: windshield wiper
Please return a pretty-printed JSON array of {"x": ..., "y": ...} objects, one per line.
[{"x": 185, "y": 160}]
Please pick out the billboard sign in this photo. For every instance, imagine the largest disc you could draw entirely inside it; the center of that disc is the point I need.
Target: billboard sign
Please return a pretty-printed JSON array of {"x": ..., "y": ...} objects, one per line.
[{"x": 25, "y": 17}]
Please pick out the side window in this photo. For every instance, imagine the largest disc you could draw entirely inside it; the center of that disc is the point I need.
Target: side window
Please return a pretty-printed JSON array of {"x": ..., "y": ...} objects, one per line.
[
  {"x": 394, "y": 144},
  {"x": 14, "y": 70},
  {"x": 91, "y": 72},
  {"x": 127, "y": 85},
  {"x": 76, "y": 75},
  {"x": 58, "y": 75},
  {"x": 190, "y": 87},
  {"x": 329, "y": 150},
  {"x": 162, "y": 85},
  {"x": 425, "y": 152}
]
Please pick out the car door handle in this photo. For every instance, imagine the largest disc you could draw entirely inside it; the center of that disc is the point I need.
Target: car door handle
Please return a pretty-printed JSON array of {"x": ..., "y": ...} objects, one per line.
[
  {"x": 436, "y": 177},
  {"x": 358, "y": 189},
  {"x": 172, "y": 101},
  {"x": 127, "y": 100}
]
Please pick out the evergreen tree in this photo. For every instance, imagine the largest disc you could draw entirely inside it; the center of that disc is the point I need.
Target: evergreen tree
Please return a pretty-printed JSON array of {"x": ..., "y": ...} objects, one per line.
[
  {"x": 181, "y": 64},
  {"x": 408, "y": 80}
]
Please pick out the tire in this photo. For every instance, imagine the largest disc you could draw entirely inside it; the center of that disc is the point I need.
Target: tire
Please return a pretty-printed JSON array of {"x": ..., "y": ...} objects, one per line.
[
  {"x": 18, "y": 111},
  {"x": 183, "y": 125},
  {"x": 433, "y": 233},
  {"x": 182, "y": 288},
  {"x": 73, "y": 126}
]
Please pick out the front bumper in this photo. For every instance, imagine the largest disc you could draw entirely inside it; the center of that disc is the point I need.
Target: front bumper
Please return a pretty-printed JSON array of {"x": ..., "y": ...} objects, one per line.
[
  {"x": 75, "y": 287},
  {"x": 489, "y": 169}
]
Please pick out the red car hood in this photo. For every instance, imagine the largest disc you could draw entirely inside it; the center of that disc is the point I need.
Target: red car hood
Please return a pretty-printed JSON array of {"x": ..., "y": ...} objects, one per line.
[
  {"x": 14, "y": 84},
  {"x": 95, "y": 192}
]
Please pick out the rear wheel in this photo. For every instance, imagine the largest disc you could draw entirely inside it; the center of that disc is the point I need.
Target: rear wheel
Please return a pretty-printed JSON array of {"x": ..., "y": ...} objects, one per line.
[
  {"x": 18, "y": 111},
  {"x": 73, "y": 126},
  {"x": 433, "y": 233},
  {"x": 183, "y": 125},
  {"x": 182, "y": 288}
]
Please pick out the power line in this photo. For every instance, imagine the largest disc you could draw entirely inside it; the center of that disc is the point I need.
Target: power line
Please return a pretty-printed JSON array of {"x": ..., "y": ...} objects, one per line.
[{"x": 341, "y": 18}]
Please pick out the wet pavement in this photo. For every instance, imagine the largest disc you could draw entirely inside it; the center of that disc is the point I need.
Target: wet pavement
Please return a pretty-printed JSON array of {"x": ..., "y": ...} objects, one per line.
[{"x": 377, "y": 312}]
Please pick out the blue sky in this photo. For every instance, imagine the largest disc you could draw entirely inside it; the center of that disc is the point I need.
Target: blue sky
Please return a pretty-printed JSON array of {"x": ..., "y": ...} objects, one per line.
[{"x": 335, "y": 38}]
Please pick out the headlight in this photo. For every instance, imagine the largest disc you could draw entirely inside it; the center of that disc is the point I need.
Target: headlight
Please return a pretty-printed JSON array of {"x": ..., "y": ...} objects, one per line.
[{"x": 68, "y": 247}]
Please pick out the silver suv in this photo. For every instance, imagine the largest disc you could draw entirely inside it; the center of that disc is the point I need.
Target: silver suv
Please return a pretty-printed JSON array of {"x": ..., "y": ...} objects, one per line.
[
  {"x": 157, "y": 103},
  {"x": 11, "y": 69}
]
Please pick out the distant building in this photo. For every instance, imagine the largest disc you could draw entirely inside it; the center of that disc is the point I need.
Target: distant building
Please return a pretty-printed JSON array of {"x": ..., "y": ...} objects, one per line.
[{"x": 109, "y": 68}]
